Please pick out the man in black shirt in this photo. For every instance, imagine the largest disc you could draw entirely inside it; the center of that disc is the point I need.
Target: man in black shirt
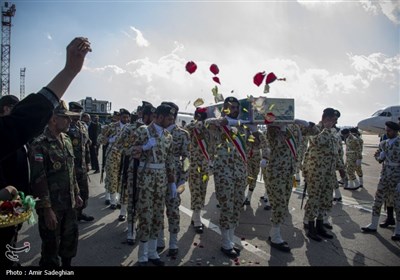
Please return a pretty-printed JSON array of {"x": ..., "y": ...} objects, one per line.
[{"x": 28, "y": 119}]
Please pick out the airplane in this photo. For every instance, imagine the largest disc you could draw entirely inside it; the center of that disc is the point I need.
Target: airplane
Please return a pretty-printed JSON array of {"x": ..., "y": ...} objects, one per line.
[
  {"x": 184, "y": 117},
  {"x": 376, "y": 123}
]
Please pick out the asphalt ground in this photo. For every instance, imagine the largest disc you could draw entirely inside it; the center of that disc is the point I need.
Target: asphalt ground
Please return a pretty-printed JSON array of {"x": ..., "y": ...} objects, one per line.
[{"x": 102, "y": 243}]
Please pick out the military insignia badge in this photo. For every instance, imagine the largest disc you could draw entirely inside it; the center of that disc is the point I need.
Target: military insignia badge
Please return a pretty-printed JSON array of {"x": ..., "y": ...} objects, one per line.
[
  {"x": 57, "y": 165},
  {"x": 75, "y": 142}
]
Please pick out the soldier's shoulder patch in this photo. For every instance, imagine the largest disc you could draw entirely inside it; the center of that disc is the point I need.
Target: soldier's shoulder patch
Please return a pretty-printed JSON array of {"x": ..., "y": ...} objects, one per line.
[{"x": 39, "y": 157}]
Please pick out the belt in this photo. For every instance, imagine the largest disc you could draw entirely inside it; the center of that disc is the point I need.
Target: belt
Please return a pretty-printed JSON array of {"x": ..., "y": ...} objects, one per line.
[{"x": 152, "y": 165}]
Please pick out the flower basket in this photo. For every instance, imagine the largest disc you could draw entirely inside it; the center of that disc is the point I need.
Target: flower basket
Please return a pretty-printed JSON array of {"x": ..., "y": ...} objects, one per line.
[{"x": 8, "y": 220}]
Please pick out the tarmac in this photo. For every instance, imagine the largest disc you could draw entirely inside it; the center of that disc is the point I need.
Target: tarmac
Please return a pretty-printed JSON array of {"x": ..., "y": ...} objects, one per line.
[{"x": 102, "y": 243}]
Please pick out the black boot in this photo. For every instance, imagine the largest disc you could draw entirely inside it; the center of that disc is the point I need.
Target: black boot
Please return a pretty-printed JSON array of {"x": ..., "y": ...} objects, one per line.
[
  {"x": 312, "y": 232},
  {"x": 389, "y": 220},
  {"x": 85, "y": 217},
  {"x": 321, "y": 230}
]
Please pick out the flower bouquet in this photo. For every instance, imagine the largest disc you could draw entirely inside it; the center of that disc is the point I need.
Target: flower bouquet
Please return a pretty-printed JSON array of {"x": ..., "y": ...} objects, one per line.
[{"x": 17, "y": 211}]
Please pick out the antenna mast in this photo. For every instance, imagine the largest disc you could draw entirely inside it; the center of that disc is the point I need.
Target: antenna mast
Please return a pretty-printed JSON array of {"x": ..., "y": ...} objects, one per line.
[
  {"x": 6, "y": 15},
  {"x": 22, "y": 83}
]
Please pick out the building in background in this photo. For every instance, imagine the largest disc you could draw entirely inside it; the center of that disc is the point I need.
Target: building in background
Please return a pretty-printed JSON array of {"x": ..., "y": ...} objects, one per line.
[{"x": 102, "y": 108}]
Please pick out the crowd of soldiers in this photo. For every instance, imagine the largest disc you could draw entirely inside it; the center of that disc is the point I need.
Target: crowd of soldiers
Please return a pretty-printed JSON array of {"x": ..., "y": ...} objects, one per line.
[
  {"x": 145, "y": 170},
  {"x": 148, "y": 159}
]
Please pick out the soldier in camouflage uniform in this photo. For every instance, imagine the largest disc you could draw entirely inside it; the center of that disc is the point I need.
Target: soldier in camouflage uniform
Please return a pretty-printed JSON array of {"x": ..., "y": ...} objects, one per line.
[
  {"x": 180, "y": 151},
  {"x": 319, "y": 168},
  {"x": 255, "y": 142},
  {"x": 200, "y": 159},
  {"x": 54, "y": 183},
  {"x": 337, "y": 196},
  {"x": 79, "y": 136},
  {"x": 358, "y": 168},
  {"x": 301, "y": 150},
  {"x": 152, "y": 145},
  {"x": 230, "y": 170},
  {"x": 265, "y": 153},
  {"x": 113, "y": 158},
  {"x": 352, "y": 156},
  {"x": 124, "y": 144},
  {"x": 283, "y": 142},
  {"x": 389, "y": 181},
  {"x": 102, "y": 139}
]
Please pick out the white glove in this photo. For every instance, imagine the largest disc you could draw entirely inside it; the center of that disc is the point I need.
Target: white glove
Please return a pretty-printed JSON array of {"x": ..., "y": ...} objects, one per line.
[
  {"x": 358, "y": 162},
  {"x": 181, "y": 182},
  {"x": 112, "y": 139},
  {"x": 263, "y": 163},
  {"x": 172, "y": 188},
  {"x": 301, "y": 122},
  {"x": 150, "y": 144}
]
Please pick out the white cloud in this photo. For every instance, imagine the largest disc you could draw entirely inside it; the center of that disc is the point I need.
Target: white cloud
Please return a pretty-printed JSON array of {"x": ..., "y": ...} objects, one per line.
[
  {"x": 377, "y": 66},
  {"x": 370, "y": 6},
  {"x": 140, "y": 40},
  {"x": 109, "y": 68},
  {"x": 324, "y": 5},
  {"x": 390, "y": 8}
]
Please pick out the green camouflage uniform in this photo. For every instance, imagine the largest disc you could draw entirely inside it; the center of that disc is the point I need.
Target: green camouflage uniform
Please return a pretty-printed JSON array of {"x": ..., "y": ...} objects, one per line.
[
  {"x": 54, "y": 183},
  {"x": 124, "y": 145},
  {"x": 281, "y": 167},
  {"x": 180, "y": 151},
  {"x": 359, "y": 171},
  {"x": 199, "y": 164},
  {"x": 319, "y": 168},
  {"x": 253, "y": 158},
  {"x": 352, "y": 154},
  {"x": 113, "y": 157},
  {"x": 152, "y": 181},
  {"x": 230, "y": 172},
  {"x": 79, "y": 137},
  {"x": 389, "y": 179}
]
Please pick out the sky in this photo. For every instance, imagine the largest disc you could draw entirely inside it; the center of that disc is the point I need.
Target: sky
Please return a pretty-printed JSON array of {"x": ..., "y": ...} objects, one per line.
[{"x": 340, "y": 54}]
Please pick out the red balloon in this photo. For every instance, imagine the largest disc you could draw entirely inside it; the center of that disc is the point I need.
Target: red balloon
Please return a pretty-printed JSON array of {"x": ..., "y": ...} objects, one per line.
[
  {"x": 214, "y": 69},
  {"x": 191, "y": 67},
  {"x": 270, "y": 78},
  {"x": 258, "y": 78},
  {"x": 216, "y": 79}
]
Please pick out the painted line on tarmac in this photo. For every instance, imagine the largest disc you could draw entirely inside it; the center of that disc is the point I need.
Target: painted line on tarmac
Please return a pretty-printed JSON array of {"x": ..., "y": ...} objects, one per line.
[
  {"x": 348, "y": 201},
  {"x": 245, "y": 244}
]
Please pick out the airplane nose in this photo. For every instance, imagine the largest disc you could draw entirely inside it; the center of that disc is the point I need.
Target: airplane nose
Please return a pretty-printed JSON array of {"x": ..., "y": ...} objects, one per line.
[{"x": 362, "y": 124}]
